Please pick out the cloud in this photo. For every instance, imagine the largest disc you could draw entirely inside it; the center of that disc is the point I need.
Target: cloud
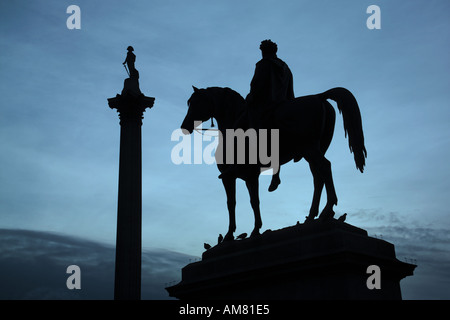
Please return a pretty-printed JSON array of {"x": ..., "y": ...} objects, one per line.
[
  {"x": 418, "y": 242},
  {"x": 33, "y": 266},
  {"x": 33, "y": 263}
]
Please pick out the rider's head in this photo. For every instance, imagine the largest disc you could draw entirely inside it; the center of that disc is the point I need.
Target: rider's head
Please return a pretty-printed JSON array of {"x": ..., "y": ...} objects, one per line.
[
  {"x": 130, "y": 48},
  {"x": 268, "y": 48}
]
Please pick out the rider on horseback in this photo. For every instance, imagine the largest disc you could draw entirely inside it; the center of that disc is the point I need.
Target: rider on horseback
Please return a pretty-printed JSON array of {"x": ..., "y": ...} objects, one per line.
[{"x": 272, "y": 85}]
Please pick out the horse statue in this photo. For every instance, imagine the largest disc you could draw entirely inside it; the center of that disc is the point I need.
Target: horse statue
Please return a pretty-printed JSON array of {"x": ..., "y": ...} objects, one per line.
[{"x": 306, "y": 127}]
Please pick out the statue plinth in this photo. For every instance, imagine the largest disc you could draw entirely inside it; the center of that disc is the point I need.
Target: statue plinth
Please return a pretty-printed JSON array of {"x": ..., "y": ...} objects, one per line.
[
  {"x": 130, "y": 105},
  {"x": 317, "y": 260}
]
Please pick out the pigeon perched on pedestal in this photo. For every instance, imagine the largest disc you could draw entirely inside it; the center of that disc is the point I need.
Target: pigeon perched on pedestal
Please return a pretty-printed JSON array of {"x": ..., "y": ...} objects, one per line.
[
  {"x": 220, "y": 239},
  {"x": 241, "y": 236},
  {"x": 342, "y": 218}
]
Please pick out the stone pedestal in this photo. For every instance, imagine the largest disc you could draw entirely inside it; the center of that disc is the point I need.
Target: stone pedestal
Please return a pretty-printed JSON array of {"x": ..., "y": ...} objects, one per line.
[
  {"x": 317, "y": 260},
  {"x": 130, "y": 105}
]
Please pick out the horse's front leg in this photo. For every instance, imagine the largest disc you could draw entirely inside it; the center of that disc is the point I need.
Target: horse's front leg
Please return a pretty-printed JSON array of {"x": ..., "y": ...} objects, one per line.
[
  {"x": 230, "y": 189},
  {"x": 253, "y": 190}
]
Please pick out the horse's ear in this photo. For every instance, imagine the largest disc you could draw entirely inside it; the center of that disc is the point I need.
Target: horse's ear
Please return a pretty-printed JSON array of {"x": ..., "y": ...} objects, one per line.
[{"x": 195, "y": 89}]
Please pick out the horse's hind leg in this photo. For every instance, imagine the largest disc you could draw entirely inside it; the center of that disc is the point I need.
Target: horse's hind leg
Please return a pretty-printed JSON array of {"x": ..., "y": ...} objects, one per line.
[
  {"x": 253, "y": 190},
  {"x": 322, "y": 167},
  {"x": 230, "y": 189},
  {"x": 318, "y": 187}
]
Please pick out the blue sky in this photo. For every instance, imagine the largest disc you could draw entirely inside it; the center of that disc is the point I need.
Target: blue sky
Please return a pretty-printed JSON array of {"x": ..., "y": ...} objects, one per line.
[{"x": 60, "y": 140}]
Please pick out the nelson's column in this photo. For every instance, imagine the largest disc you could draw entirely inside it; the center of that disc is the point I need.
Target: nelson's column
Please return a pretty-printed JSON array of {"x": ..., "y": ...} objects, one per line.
[{"x": 130, "y": 105}]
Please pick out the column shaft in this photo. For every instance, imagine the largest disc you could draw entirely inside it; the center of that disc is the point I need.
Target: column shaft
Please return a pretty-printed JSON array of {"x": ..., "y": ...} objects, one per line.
[{"x": 129, "y": 212}]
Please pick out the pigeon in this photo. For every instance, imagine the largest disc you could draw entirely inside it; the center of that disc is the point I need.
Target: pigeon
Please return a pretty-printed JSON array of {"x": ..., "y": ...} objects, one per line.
[
  {"x": 207, "y": 246},
  {"x": 220, "y": 238},
  {"x": 241, "y": 236},
  {"x": 342, "y": 218}
]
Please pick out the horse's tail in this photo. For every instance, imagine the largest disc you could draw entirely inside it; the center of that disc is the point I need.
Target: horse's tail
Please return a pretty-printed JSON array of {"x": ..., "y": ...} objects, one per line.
[{"x": 348, "y": 106}]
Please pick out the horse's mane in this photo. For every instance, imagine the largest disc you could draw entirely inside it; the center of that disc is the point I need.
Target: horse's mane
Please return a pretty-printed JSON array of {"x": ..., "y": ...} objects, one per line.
[{"x": 229, "y": 98}]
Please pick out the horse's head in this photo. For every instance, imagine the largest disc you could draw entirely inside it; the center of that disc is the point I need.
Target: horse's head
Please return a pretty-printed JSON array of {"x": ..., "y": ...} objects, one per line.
[{"x": 200, "y": 109}]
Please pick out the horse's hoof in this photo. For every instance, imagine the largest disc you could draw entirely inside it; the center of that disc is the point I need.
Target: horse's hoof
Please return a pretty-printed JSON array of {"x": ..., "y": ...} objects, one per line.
[
  {"x": 228, "y": 237},
  {"x": 326, "y": 214},
  {"x": 254, "y": 233}
]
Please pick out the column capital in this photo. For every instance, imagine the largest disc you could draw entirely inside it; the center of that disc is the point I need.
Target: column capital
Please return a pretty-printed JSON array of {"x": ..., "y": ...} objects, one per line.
[{"x": 131, "y": 106}]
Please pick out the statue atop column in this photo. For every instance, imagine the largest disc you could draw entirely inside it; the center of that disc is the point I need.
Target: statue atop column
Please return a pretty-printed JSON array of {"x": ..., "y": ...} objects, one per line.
[
  {"x": 131, "y": 84},
  {"x": 129, "y": 61}
]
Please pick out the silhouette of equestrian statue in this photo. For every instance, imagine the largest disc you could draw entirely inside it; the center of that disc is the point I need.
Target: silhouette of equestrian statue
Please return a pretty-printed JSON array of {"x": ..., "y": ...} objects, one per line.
[{"x": 305, "y": 124}]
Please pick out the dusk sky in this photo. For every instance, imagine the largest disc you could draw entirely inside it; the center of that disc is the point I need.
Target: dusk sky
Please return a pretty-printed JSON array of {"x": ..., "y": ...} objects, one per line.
[{"x": 60, "y": 140}]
